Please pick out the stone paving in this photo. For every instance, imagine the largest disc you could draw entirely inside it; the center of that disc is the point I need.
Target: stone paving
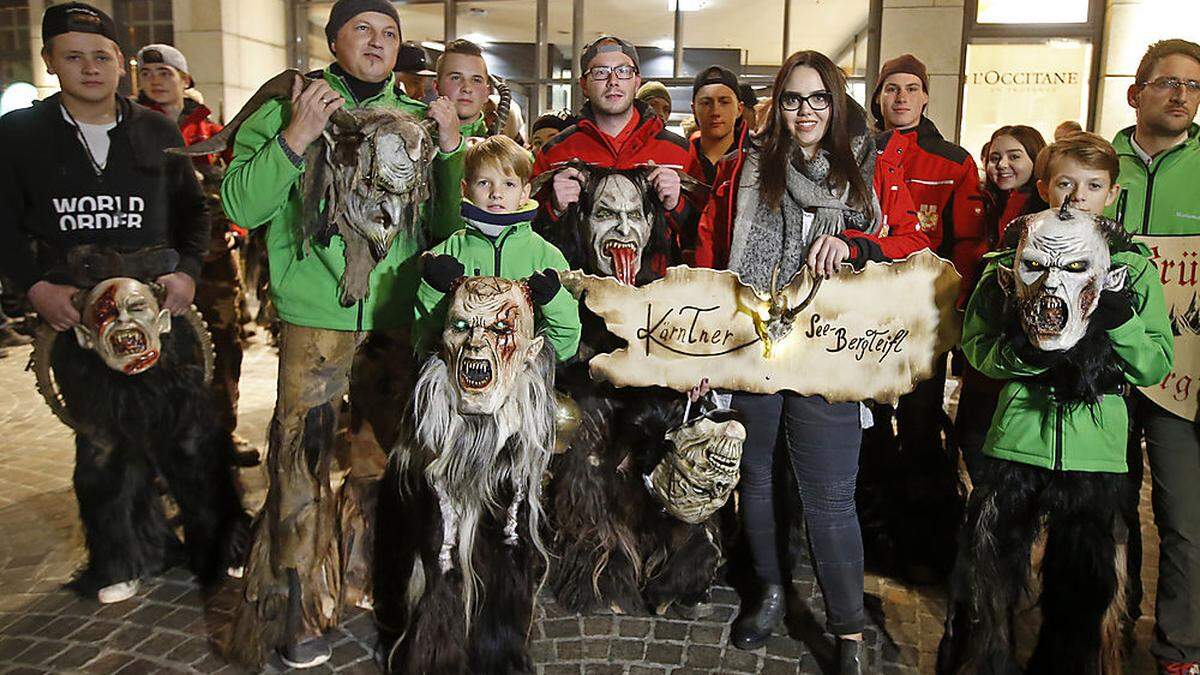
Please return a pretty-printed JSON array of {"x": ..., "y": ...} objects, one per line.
[{"x": 45, "y": 628}]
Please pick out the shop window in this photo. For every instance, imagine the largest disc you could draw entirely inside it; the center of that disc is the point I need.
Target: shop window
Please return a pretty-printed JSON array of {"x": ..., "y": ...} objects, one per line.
[
  {"x": 15, "y": 53},
  {"x": 1032, "y": 11},
  {"x": 144, "y": 22}
]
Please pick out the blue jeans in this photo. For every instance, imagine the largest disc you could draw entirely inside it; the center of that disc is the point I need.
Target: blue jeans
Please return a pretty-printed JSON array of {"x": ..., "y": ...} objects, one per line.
[{"x": 823, "y": 441}]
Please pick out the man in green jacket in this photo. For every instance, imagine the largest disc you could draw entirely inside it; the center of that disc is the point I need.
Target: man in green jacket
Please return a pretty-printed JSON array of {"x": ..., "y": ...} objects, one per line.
[
  {"x": 293, "y": 573},
  {"x": 462, "y": 77},
  {"x": 1160, "y": 173}
]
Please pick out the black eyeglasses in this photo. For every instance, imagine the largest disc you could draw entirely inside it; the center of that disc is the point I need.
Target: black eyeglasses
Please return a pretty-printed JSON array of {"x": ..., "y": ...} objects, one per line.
[
  {"x": 818, "y": 100},
  {"x": 1170, "y": 84},
  {"x": 601, "y": 73}
]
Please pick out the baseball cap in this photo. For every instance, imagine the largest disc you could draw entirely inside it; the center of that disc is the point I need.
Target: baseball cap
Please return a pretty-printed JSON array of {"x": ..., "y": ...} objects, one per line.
[
  {"x": 165, "y": 54},
  {"x": 715, "y": 75},
  {"x": 605, "y": 44},
  {"x": 76, "y": 17},
  {"x": 411, "y": 59}
]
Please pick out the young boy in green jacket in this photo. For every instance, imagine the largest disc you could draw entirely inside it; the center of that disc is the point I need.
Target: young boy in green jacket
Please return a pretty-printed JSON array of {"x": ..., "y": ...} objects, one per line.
[
  {"x": 498, "y": 240},
  {"x": 1056, "y": 448}
]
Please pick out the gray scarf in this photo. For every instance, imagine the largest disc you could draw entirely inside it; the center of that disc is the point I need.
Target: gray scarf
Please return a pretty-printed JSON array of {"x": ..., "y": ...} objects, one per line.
[{"x": 764, "y": 237}]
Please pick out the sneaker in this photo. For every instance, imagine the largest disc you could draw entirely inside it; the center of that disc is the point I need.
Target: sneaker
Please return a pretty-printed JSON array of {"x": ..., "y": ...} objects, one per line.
[
  {"x": 236, "y": 572},
  {"x": 1177, "y": 668},
  {"x": 11, "y": 338},
  {"x": 117, "y": 592},
  {"x": 308, "y": 654}
]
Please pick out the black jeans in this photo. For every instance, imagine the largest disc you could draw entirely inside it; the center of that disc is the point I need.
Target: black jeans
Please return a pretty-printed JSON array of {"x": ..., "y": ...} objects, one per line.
[{"x": 823, "y": 440}]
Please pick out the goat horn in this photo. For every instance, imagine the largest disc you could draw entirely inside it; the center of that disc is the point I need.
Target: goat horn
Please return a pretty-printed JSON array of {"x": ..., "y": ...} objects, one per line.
[{"x": 279, "y": 86}]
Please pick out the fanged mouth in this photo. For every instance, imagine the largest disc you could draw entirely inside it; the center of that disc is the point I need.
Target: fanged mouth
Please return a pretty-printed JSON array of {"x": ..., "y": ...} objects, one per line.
[
  {"x": 1047, "y": 315},
  {"x": 624, "y": 255},
  {"x": 474, "y": 373},
  {"x": 127, "y": 341}
]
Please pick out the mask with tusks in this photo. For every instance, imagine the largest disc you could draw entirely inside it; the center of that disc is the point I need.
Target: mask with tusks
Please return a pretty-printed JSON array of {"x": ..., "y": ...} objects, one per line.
[
  {"x": 365, "y": 179},
  {"x": 123, "y": 323},
  {"x": 1062, "y": 264},
  {"x": 489, "y": 340},
  {"x": 618, "y": 224},
  {"x": 697, "y": 475}
]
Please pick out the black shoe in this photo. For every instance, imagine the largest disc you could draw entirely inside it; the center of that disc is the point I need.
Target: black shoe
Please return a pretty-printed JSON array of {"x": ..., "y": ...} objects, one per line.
[
  {"x": 752, "y": 628},
  {"x": 308, "y": 654},
  {"x": 850, "y": 657}
]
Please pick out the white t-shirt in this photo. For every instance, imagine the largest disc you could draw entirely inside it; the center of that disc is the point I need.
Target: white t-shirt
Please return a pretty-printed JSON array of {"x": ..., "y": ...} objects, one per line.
[{"x": 97, "y": 139}]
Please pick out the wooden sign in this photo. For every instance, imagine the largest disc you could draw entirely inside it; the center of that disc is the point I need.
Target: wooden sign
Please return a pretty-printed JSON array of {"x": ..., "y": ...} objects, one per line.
[
  {"x": 867, "y": 334},
  {"x": 1178, "y": 260}
]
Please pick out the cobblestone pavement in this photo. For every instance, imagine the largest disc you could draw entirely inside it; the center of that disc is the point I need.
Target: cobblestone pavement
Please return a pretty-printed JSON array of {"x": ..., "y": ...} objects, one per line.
[{"x": 44, "y": 628}]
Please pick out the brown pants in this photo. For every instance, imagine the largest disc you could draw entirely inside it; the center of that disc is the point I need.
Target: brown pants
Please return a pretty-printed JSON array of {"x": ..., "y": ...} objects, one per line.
[
  {"x": 218, "y": 297},
  {"x": 297, "y": 534}
]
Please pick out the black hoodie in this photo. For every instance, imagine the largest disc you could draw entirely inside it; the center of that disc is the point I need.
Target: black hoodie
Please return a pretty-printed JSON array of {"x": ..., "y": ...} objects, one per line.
[{"x": 52, "y": 200}]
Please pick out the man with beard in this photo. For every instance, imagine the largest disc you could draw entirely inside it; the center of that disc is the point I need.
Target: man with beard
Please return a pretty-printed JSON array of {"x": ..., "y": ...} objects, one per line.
[
  {"x": 1160, "y": 161},
  {"x": 293, "y": 580},
  {"x": 617, "y": 131}
]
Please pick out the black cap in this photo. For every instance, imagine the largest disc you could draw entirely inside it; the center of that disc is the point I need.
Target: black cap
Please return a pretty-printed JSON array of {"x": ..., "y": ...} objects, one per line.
[
  {"x": 599, "y": 46},
  {"x": 76, "y": 17},
  {"x": 557, "y": 120},
  {"x": 747, "y": 96},
  {"x": 411, "y": 59},
  {"x": 344, "y": 10},
  {"x": 715, "y": 75}
]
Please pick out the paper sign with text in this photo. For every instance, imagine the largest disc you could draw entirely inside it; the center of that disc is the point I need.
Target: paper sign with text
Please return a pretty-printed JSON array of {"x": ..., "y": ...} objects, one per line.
[{"x": 1178, "y": 262}]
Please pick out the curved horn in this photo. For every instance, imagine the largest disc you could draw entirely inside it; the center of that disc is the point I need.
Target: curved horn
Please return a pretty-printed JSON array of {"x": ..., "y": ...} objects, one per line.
[
  {"x": 812, "y": 293},
  {"x": 502, "y": 107},
  {"x": 279, "y": 86}
]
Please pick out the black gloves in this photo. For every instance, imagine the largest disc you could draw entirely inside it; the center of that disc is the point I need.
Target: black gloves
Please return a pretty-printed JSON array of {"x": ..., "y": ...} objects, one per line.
[
  {"x": 543, "y": 286},
  {"x": 440, "y": 271},
  {"x": 1113, "y": 310}
]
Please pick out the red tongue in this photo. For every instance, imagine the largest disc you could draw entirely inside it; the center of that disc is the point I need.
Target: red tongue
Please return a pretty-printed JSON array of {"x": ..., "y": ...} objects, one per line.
[{"x": 625, "y": 263}]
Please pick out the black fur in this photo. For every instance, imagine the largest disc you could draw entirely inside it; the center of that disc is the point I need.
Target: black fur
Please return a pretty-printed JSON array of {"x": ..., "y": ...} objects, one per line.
[{"x": 134, "y": 430}]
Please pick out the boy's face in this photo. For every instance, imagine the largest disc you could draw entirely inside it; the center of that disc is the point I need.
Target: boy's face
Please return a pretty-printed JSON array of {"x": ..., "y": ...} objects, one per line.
[
  {"x": 161, "y": 83},
  {"x": 464, "y": 81},
  {"x": 1087, "y": 189},
  {"x": 88, "y": 66},
  {"x": 494, "y": 190}
]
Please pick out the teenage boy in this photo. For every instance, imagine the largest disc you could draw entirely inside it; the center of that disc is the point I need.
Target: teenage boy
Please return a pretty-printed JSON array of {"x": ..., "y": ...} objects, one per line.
[
  {"x": 293, "y": 562},
  {"x": 1160, "y": 163},
  {"x": 718, "y": 115},
  {"x": 462, "y": 77},
  {"x": 499, "y": 241},
  {"x": 655, "y": 95}
]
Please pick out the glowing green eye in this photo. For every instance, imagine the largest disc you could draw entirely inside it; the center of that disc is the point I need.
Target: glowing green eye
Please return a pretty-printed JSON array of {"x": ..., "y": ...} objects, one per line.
[
  {"x": 501, "y": 327},
  {"x": 460, "y": 326}
]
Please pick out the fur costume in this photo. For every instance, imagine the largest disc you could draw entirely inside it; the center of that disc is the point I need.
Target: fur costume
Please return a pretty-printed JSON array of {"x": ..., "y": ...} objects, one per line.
[
  {"x": 458, "y": 541},
  {"x": 1050, "y": 319},
  {"x": 142, "y": 412},
  {"x": 614, "y": 545}
]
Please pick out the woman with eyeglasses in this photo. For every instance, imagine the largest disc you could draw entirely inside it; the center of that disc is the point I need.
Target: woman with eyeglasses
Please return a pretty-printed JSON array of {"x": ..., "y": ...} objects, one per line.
[{"x": 801, "y": 195}]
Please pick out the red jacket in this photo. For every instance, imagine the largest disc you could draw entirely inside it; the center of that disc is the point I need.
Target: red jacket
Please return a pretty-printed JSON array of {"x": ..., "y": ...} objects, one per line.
[
  {"x": 649, "y": 142},
  {"x": 902, "y": 237},
  {"x": 944, "y": 183}
]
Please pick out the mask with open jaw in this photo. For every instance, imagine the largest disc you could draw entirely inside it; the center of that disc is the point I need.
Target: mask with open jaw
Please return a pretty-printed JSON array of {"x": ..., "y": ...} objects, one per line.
[
  {"x": 123, "y": 323},
  {"x": 696, "y": 477},
  {"x": 618, "y": 227},
  {"x": 489, "y": 340},
  {"x": 1061, "y": 265}
]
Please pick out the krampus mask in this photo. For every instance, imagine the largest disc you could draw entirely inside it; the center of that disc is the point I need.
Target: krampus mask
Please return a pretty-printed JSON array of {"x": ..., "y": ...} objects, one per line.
[
  {"x": 365, "y": 180},
  {"x": 1061, "y": 265},
  {"x": 696, "y": 477},
  {"x": 489, "y": 341},
  {"x": 618, "y": 227},
  {"x": 123, "y": 322}
]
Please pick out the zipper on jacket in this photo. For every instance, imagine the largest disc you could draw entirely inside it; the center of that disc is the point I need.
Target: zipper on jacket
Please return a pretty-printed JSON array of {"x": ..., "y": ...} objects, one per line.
[
  {"x": 1058, "y": 437},
  {"x": 1151, "y": 171}
]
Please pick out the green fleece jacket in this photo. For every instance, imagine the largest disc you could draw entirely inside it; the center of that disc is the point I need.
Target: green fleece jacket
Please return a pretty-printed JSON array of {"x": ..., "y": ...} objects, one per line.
[
  {"x": 516, "y": 253},
  {"x": 1161, "y": 198},
  {"x": 262, "y": 187},
  {"x": 445, "y": 212},
  {"x": 1029, "y": 426}
]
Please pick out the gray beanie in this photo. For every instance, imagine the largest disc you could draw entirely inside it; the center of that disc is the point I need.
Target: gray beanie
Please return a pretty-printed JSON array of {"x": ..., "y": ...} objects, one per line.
[{"x": 344, "y": 10}]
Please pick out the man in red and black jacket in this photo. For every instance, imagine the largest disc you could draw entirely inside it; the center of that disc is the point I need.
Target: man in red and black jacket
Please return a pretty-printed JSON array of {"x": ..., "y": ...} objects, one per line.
[
  {"x": 617, "y": 131},
  {"x": 943, "y": 182}
]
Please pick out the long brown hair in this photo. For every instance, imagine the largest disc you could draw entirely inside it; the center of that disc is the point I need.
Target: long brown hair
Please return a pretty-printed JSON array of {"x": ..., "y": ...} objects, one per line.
[
  {"x": 995, "y": 199},
  {"x": 778, "y": 146}
]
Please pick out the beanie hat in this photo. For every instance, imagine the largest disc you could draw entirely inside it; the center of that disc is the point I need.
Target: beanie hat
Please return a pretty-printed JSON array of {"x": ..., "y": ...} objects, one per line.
[
  {"x": 608, "y": 43},
  {"x": 715, "y": 75},
  {"x": 76, "y": 17},
  {"x": 905, "y": 63},
  {"x": 653, "y": 89},
  {"x": 165, "y": 54},
  {"x": 344, "y": 10}
]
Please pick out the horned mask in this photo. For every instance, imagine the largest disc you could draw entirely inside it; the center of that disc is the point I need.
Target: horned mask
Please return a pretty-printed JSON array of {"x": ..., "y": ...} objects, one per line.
[
  {"x": 489, "y": 340},
  {"x": 696, "y": 477},
  {"x": 123, "y": 323},
  {"x": 1062, "y": 264}
]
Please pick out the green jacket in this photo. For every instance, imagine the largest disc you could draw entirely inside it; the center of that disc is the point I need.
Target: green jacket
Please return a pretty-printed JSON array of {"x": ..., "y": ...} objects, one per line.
[
  {"x": 446, "y": 212},
  {"x": 262, "y": 186},
  {"x": 517, "y": 253},
  {"x": 1029, "y": 426},
  {"x": 1162, "y": 198}
]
